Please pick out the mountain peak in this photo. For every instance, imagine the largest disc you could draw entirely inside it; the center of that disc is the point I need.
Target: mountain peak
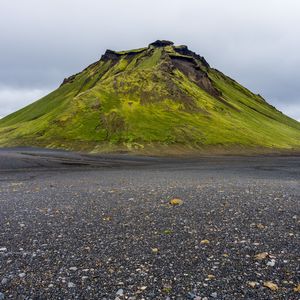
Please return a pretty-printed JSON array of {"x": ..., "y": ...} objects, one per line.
[{"x": 161, "y": 43}]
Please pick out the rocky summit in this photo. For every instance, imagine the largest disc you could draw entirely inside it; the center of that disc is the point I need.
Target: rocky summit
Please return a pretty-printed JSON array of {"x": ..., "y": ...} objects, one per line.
[{"x": 161, "y": 99}]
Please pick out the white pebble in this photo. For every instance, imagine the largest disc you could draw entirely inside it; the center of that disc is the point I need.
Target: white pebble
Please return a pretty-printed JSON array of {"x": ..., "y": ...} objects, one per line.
[
  {"x": 71, "y": 285},
  {"x": 120, "y": 292},
  {"x": 271, "y": 263}
]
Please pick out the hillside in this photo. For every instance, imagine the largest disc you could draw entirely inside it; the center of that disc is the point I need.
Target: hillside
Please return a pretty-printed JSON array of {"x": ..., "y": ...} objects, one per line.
[{"x": 158, "y": 99}]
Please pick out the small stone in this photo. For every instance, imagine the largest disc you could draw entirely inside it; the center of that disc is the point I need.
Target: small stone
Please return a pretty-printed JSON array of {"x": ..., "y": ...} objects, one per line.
[
  {"x": 22, "y": 275},
  {"x": 3, "y": 249},
  {"x": 204, "y": 242},
  {"x": 214, "y": 295},
  {"x": 176, "y": 201},
  {"x": 260, "y": 226},
  {"x": 4, "y": 281},
  {"x": 50, "y": 285},
  {"x": 71, "y": 285},
  {"x": 270, "y": 285},
  {"x": 271, "y": 263},
  {"x": 252, "y": 284},
  {"x": 120, "y": 292},
  {"x": 1, "y": 296},
  {"x": 261, "y": 256},
  {"x": 297, "y": 288},
  {"x": 73, "y": 269},
  {"x": 191, "y": 295},
  {"x": 211, "y": 277}
]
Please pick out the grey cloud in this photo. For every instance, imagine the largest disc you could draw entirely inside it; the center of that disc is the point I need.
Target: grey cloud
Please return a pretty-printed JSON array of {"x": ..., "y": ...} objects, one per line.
[
  {"x": 14, "y": 99},
  {"x": 255, "y": 42}
]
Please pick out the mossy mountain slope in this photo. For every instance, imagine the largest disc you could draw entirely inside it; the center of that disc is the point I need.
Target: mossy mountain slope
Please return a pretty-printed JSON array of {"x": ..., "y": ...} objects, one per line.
[{"x": 159, "y": 97}]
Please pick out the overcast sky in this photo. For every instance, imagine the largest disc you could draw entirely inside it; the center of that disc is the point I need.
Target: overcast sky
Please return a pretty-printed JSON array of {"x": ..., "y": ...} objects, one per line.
[{"x": 256, "y": 42}]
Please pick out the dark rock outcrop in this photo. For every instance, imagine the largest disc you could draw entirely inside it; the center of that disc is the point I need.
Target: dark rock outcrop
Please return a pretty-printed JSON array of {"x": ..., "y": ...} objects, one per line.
[
  {"x": 69, "y": 79},
  {"x": 110, "y": 55},
  {"x": 189, "y": 67},
  {"x": 161, "y": 43},
  {"x": 184, "y": 50}
]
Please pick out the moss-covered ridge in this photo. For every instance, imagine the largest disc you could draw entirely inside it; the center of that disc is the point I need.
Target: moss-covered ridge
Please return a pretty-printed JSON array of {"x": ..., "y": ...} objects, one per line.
[{"x": 159, "y": 97}]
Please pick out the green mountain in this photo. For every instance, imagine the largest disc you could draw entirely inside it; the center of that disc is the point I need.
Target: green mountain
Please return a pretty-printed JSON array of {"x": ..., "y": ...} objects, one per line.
[{"x": 158, "y": 99}]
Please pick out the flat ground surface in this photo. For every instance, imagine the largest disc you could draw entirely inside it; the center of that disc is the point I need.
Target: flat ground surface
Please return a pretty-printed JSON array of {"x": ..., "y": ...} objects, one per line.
[{"x": 82, "y": 227}]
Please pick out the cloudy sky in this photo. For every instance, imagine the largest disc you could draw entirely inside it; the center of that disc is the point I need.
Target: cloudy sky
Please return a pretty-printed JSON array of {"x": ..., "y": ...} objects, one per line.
[{"x": 253, "y": 41}]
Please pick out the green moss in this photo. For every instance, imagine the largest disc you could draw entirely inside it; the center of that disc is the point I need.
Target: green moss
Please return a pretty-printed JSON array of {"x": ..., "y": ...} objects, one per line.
[{"x": 150, "y": 61}]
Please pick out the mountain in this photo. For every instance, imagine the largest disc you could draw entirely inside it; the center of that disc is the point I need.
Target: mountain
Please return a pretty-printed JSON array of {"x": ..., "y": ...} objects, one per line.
[{"x": 158, "y": 99}]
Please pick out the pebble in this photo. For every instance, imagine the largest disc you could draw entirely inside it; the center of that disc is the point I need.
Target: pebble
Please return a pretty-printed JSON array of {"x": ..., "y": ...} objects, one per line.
[
  {"x": 214, "y": 295},
  {"x": 3, "y": 249},
  {"x": 1, "y": 296},
  {"x": 71, "y": 285},
  {"x": 191, "y": 295},
  {"x": 22, "y": 275},
  {"x": 271, "y": 263},
  {"x": 4, "y": 281},
  {"x": 120, "y": 292},
  {"x": 73, "y": 269}
]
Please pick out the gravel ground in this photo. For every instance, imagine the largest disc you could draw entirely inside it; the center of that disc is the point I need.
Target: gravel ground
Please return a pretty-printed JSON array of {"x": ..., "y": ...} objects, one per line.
[{"x": 104, "y": 228}]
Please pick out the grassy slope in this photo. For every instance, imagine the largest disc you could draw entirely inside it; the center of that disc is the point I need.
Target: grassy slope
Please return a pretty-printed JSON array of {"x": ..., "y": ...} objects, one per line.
[{"x": 136, "y": 103}]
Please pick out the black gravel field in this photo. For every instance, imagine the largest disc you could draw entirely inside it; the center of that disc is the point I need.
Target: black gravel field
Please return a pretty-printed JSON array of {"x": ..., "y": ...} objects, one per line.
[{"x": 102, "y": 227}]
